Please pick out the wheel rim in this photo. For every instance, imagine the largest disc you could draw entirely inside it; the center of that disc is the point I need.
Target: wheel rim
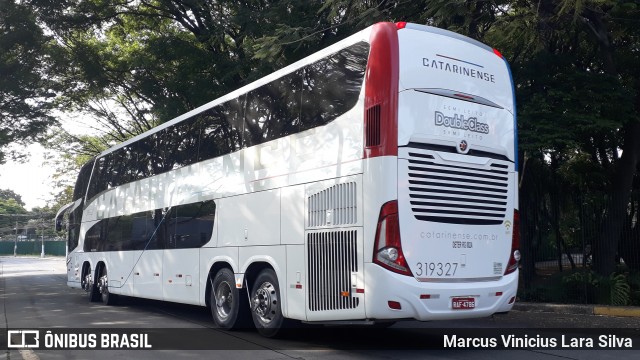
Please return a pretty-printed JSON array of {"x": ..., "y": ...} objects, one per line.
[
  {"x": 265, "y": 302},
  {"x": 103, "y": 286},
  {"x": 224, "y": 300},
  {"x": 87, "y": 283}
]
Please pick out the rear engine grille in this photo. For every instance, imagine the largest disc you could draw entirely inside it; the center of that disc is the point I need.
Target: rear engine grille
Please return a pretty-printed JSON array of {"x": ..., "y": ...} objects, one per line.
[
  {"x": 457, "y": 194},
  {"x": 333, "y": 206},
  {"x": 332, "y": 260}
]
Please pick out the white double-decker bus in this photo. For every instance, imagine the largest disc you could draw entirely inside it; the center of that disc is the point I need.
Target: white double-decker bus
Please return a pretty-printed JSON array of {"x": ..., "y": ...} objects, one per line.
[{"x": 372, "y": 181}]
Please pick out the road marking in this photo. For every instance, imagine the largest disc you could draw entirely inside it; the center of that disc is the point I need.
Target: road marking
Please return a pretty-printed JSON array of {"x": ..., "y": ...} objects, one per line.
[{"x": 28, "y": 354}]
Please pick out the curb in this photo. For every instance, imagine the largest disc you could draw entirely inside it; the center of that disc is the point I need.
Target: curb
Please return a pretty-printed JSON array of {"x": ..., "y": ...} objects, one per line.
[
  {"x": 622, "y": 311},
  {"x": 630, "y": 311}
]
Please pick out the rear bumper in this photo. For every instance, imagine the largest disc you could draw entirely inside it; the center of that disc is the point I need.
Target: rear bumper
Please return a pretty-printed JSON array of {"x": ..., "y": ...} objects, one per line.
[{"x": 382, "y": 286}]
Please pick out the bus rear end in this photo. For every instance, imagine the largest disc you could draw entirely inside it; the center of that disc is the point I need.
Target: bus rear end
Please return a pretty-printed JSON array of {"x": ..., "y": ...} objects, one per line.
[{"x": 446, "y": 238}]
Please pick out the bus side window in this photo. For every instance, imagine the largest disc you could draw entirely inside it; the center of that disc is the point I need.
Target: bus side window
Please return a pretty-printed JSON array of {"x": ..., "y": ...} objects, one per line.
[
  {"x": 273, "y": 110},
  {"x": 331, "y": 86},
  {"x": 185, "y": 141},
  {"x": 192, "y": 225},
  {"x": 221, "y": 129}
]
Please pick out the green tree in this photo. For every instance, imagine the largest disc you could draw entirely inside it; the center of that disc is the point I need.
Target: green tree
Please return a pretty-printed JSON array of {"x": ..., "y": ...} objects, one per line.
[
  {"x": 26, "y": 83},
  {"x": 6, "y": 194},
  {"x": 9, "y": 206},
  {"x": 577, "y": 77}
]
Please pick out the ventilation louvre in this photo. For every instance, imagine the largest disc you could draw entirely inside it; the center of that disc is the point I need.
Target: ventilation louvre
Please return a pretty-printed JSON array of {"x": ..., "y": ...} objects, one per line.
[
  {"x": 457, "y": 194},
  {"x": 332, "y": 260},
  {"x": 333, "y": 206},
  {"x": 372, "y": 125}
]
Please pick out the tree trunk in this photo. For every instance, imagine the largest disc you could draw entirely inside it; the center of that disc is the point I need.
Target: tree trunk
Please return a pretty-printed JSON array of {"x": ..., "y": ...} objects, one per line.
[
  {"x": 630, "y": 243},
  {"x": 528, "y": 225},
  {"x": 606, "y": 246}
]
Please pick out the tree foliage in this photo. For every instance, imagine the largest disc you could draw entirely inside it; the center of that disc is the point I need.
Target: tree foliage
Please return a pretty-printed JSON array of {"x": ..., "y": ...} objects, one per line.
[
  {"x": 26, "y": 77},
  {"x": 7, "y": 194},
  {"x": 10, "y": 205},
  {"x": 579, "y": 104}
]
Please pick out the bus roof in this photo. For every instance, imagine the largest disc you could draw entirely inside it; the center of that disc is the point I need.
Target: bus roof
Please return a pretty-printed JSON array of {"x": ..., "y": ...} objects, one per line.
[{"x": 438, "y": 31}]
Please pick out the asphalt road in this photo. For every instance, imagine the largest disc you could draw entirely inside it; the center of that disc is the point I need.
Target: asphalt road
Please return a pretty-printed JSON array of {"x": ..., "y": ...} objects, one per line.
[{"x": 34, "y": 295}]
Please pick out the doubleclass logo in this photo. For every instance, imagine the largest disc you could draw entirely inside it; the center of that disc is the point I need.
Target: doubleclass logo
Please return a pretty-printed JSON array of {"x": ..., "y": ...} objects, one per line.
[{"x": 460, "y": 122}]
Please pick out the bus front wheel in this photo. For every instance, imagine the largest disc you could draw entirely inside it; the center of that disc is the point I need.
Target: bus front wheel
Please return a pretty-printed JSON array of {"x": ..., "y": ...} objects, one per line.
[{"x": 266, "y": 308}]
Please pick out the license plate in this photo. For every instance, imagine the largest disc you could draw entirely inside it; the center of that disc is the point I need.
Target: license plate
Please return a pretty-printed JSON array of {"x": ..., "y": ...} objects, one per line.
[{"x": 463, "y": 303}]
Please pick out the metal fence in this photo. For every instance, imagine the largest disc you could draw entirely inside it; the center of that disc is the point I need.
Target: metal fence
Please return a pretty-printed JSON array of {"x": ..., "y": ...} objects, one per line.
[
  {"x": 33, "y": 247},
  {"x": 558, "y": 244}
]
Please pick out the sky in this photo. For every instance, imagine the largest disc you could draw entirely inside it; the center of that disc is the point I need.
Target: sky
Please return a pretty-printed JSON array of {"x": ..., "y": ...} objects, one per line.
[{"x": 32, "y": 180}]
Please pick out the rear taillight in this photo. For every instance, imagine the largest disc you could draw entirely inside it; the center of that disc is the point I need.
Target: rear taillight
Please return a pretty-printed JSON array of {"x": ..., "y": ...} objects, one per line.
[
  {"x": 514, "y": 259},
  {"x": 387, "y": 250}
]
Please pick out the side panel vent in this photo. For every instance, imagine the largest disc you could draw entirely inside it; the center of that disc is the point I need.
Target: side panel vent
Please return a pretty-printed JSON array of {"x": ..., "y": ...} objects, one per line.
[
  {"x": 372, "y": 126},
  {"x": 333, "y": 206},
  {"x": 332, "y": 261}
]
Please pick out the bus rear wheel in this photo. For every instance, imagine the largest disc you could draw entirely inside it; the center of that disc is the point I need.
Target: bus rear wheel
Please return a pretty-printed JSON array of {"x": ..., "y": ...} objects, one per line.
[
  {"x": 89, "y": 285},
  {"x": 103, "y": 288},
  {"x": 266, "y": 305},
  {"x": 228, "y": 304}
]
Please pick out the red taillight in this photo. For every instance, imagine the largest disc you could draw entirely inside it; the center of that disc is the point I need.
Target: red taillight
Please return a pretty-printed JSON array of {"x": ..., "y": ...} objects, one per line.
[
  {"x": 495, "y": 51},
  {"x": 394, "y": 305},
  {"x": 387, "y": 250},
  {"x": 464, "y": 96},
  {"x": 401, "y": 24},
  {"x": 514, "y": 259}
]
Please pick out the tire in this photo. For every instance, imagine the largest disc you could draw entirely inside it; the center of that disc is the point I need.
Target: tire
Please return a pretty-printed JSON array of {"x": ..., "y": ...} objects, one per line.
[
  {"x": 103, "y": 288},
  {"x": 266, "y": 305},
  {"x": 229, "y": 305},
  {"x": 90, "y": 286}
]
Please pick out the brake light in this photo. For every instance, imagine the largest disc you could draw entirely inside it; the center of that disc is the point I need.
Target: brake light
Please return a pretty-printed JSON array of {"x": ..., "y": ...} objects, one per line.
[
  {"x": 495, "y": 51},
  {"x": 467, "y": 97},
  {"x": 387, "y": 250},
  {"x": 401, "y": 24},
  {"x": 514, "y": 259}
]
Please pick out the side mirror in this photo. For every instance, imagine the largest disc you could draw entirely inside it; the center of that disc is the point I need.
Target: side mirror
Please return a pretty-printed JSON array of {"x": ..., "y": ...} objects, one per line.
[
  {"x": 60, "y": 216},
  {"x": 59, "y": 224}
]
